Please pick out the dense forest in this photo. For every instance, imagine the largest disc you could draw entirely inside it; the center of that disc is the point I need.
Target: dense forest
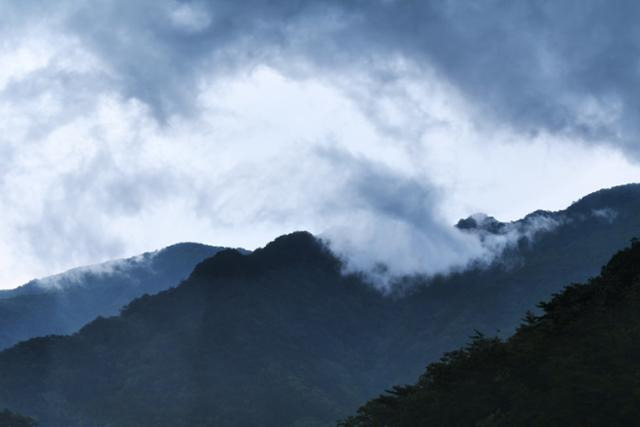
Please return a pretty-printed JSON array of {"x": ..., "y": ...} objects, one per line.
[
  {"x": 277, "y": 337},
  {"x": 576, "y": 364},
  {"x": 281, "y": 337}
]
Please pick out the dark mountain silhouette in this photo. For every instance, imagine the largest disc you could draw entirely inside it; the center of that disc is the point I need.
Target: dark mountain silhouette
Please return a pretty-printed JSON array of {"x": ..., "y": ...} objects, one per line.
[
  {"x": 276, "y": 337},
  {"x": 548, "y": 250},
  {"x": 62, "y": 304},
  {"x": 576, "y": 364},
  {"x": 280, "y": 337}
]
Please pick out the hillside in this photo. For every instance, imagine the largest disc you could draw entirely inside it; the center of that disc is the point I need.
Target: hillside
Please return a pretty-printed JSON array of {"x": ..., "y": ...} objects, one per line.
[
  {"x": 62, "y": 304},
  {"x": 277, "y": 337},
  {"x": 280, "y": 337},
  {"x": 576, "y": 364},
  {"x": 548, "y": 250}
]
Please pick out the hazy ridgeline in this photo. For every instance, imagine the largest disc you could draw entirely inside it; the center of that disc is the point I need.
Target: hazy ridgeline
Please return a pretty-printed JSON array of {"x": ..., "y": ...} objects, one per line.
[
  {"x": 280, "y": 337},
  {"x": 62, "y": 304}
]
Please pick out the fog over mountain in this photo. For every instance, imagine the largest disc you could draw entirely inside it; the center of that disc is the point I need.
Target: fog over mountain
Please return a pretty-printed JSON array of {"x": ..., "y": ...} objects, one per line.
[
  {"x": 282, "y": 337},
  {"x": 568, "y": 366}
]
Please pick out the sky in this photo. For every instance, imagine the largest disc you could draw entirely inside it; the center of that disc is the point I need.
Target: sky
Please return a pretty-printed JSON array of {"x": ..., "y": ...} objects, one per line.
[{"x": 128, "y": 126}]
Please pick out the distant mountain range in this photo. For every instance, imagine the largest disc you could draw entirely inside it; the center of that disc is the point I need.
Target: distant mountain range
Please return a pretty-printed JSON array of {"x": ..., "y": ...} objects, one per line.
[
  {"x": 63, "y": 303},
  {"x": 280, "y": 337}
]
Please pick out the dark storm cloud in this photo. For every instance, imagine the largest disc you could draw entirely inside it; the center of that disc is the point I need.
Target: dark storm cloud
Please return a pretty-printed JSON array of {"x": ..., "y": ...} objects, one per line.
[{"x": 567, "y": 67}]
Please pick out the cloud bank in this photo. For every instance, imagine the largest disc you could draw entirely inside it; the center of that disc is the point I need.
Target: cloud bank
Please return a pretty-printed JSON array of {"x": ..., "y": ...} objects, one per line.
[
  {"x": 127, "y": 126},
  {"x": 540, "y": 66}
]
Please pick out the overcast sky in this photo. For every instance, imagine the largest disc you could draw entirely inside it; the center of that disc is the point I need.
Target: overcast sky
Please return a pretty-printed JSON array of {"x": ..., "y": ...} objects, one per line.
[{"x": 126, "y": 126}]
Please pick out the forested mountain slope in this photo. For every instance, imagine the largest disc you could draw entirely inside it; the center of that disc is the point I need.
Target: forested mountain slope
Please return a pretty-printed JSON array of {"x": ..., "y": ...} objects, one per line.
[
  {"x": 277, "y": 337},
  {"x": 548, "y": 250},
  {"x": 280, "y": 337},
  {"x": 576, "y": 364}
]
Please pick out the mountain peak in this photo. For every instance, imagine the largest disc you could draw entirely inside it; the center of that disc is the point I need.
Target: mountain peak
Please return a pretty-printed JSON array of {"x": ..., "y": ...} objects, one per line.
[
  {"x": 296, "y": 246},
  {"x": 480, "y": 221},
  {"x": 294, "y": 249}
]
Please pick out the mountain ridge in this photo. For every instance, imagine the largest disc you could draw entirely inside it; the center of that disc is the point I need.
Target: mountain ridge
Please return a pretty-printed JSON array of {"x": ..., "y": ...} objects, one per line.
[
  {"x": 62, "y": 303},
  {"x": 281, "y": 337}
]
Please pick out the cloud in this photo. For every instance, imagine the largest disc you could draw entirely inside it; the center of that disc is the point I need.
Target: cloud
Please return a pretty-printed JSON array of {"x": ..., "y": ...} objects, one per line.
[
  {"x": 388, "y": 224},
  {"x": 131, "y": 125},
  {"x": 605, "y": 214},
  {"x": 497, "y": 236},
  {"x": 566, "y": 68}
]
